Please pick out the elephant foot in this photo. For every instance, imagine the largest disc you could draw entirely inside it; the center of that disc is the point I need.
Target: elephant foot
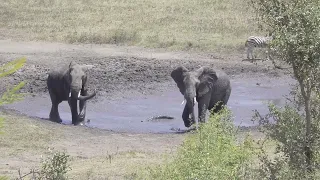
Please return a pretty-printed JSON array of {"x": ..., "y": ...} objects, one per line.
[
  {"x": 54, "y": 117},
  {"x": 57, "y": 120},
  {"x": 79, "y": 123},
  {"x": 81, "y": 119},
  {"x": 194, "y": 127},
  {"x": 188, "y": 122}
]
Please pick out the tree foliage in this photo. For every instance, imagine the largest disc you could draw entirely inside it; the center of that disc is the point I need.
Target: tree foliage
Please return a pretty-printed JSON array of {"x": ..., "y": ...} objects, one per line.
[
  {"x": 295, "y": 27},
  {"x": 12, "y": 67},
  {"x": 11, "y": 95}
]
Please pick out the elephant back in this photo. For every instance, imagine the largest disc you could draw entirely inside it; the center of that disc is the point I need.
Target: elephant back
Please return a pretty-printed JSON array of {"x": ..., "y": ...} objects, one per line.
[{"x": 221, "y": 88}]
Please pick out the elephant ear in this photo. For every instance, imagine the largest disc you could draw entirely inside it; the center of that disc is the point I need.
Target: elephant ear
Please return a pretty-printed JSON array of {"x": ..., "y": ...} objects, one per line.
[
  {"x": 177, "y": 76},
  {"x": 207, "y": 77},
  {"x": 72, "y": 64}
]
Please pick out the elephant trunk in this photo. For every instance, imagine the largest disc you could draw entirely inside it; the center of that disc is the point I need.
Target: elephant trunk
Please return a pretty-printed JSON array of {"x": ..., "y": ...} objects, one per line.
[
  {"x": 83, "y": 98},
  {"x": 190, "y": 105}
]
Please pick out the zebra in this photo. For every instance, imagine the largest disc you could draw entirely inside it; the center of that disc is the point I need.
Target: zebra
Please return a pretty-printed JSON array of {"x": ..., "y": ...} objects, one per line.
[{"x": 258, "y": 42}]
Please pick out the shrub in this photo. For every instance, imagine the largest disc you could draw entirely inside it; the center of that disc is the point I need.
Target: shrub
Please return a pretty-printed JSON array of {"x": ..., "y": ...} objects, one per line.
[
  {"x": 55, "y": 167},
  {"x": 285, "y": 126},
  {"x": 211, "y": 153}
]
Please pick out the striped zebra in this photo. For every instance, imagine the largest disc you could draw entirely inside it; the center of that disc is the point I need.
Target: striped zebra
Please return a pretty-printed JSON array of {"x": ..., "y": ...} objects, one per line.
[{"x": 257, "y": 42}]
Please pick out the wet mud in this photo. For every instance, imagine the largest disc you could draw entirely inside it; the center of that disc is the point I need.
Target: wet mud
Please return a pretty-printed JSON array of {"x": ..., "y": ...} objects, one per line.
[
  {"x": 135, "y": 115},
  {"x": 134, "y": 84}
]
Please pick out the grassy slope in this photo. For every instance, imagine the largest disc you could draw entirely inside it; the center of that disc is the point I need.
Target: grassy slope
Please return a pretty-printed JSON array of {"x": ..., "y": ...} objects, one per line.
[
  {"x": 180, "y": 24},
  {"x": 94, "y": 154}
]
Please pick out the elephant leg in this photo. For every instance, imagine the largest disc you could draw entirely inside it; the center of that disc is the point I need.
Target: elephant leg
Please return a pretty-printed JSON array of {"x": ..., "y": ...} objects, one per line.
[
  {"x": 219, "y": 105},
  {"x": 216, "y": 106},
  {"x": 227, "y": 96},
  {"x": 203, "y": 105},
  {"x": 54, "y": 113},
  {"x": 83, "y": 107},
  {"x": 185, "y": 116},
  {"x": 74, "y": 111}
]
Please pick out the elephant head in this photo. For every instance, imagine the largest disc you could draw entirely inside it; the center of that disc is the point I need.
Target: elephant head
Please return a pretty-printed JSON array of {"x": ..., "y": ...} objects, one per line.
[
  {"x": 76, "y": 87},
  {"x": 194, "y": 86},
  {"x": 76, "y": 79}
]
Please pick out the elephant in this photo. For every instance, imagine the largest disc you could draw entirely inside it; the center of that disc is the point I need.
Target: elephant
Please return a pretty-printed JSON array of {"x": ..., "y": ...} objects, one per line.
[
  {"x": 205, "y": 86},
  {"x": 69, "y": 83}
]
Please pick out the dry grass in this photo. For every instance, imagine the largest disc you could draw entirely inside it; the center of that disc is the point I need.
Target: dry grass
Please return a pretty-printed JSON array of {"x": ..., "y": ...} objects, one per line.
[
  {"x": 20, "y": 135},
  {"x": 181, "y": 24},
  {"x": 95, "y": 154},
  {"x": 124, "y": 165}
]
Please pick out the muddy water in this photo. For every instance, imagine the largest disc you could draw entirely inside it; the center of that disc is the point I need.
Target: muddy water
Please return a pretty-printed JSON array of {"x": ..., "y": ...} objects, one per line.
[{"x": 133, "y": 115}]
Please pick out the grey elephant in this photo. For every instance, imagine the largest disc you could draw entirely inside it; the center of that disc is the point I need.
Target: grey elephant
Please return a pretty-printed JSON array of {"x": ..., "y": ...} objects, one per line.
[
  {"x": 203, "y": 85},
  {"x": 69, "y": 83}
]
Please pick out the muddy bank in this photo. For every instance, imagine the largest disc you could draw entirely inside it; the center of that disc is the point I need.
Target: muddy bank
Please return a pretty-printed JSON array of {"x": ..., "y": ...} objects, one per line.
[
  {"x": 116, "y": 69},
  {"x": 134, "y": 84}
]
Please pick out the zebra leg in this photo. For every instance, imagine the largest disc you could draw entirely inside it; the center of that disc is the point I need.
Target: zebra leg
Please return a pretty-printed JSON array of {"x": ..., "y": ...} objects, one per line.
[
  {"x": 254, "y": 56},
  {"x": 268, "y": 54},
  {"x": 249, "y": 50}
]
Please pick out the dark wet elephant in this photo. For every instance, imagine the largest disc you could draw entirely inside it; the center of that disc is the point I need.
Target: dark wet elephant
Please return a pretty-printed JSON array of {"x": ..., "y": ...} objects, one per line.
[
  {"x": 203, "y": 85},
  {"x": 69, "y": 84}
]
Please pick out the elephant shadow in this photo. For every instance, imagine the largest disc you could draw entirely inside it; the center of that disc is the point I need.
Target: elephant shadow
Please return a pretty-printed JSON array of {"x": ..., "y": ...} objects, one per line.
[
  {"x": 190, "y": 130},
  {"x": 48, "y": 119},
  {"x": 253, "y": 60}
]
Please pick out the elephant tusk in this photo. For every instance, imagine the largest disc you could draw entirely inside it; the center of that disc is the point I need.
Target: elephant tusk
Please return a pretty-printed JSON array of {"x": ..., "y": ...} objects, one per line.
[
  {"x": 184, "y": 100},
  {"x": 195, "y": 99},
  {"x": 78, "y": 102},
  {"x": 78, "y": 94}
]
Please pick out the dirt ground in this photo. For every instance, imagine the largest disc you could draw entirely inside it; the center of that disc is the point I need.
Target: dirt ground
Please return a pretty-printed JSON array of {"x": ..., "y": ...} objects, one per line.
[{"x": 118, "y": 72}]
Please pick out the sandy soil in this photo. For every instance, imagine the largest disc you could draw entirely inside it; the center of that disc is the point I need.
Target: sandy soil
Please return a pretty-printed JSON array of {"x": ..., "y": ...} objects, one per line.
[{"x": 118, "y": 72}]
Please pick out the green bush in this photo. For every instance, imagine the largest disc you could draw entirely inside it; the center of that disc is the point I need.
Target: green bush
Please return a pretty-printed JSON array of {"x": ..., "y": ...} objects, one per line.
[
  {"x": 211, "y": 153},
  {"x": 288, "y": 133},
  {"x": 55, "y": 167}
]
